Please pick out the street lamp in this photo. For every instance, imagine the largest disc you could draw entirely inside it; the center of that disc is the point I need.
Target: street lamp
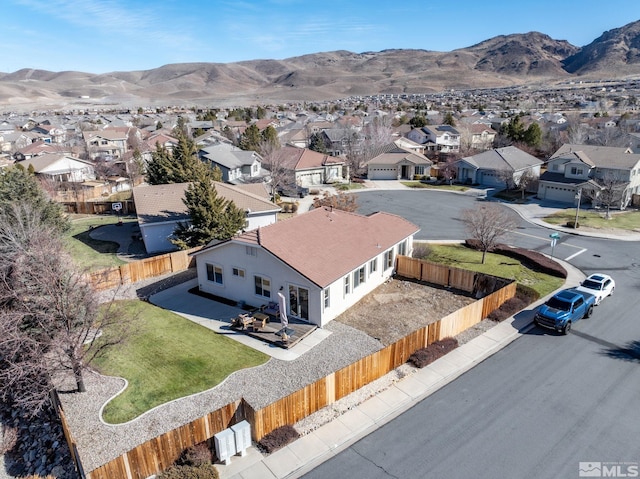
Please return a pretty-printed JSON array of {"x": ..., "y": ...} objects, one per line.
[{"x": 578, "y": 197}]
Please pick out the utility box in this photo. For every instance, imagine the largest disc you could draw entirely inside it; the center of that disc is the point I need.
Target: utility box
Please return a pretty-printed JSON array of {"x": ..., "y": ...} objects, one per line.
[
  {"x": 225, "y": 445},
  {"x": 242, "y": 434}
]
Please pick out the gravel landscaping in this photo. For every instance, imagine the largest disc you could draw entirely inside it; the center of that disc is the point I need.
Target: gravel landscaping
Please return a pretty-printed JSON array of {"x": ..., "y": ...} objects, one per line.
[{"x": 400, "y": 305}]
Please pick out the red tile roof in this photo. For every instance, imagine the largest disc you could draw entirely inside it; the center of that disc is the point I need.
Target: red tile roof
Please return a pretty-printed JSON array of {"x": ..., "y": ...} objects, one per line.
[{"x": 324, "y": 244}]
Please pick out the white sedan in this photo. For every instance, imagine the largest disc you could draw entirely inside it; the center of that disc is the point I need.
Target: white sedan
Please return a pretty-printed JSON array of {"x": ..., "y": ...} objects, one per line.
[{"x": 599, "y": 285}]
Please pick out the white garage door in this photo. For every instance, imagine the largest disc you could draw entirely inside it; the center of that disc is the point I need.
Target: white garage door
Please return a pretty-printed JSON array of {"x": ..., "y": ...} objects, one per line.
[
  {"x": 382, "y": 173},
  {"x": 556, "y": 193}
]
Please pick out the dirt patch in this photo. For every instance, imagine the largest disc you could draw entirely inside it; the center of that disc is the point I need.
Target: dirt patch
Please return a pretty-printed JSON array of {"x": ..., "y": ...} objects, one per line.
[{"x": 399, "y": 307}]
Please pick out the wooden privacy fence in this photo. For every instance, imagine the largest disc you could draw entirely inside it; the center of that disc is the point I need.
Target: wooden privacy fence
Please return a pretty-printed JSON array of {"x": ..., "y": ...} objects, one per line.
[
  {"x": 159, "y": 453},
  {"x": 146, "y": 268},
  {"x": 98, "y": 207}
]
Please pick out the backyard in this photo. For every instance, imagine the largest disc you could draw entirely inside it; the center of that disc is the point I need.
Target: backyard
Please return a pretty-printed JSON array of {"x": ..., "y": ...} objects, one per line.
[{"x": 168, "y": 357}]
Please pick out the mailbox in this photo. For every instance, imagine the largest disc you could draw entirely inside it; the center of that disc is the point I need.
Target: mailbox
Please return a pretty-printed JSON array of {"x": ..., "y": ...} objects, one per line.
[
  {"x": 225, "y": 445},
  {"x": 242, "y": 434}
]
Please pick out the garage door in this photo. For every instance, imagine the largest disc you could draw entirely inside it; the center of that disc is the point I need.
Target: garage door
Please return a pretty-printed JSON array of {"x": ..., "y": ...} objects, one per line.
[
  {"x": 556, "y": 193},
  {"x": 382, "y": 173}
]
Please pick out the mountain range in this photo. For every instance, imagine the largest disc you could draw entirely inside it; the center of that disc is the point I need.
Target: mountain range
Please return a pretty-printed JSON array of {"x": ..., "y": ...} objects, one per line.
[{"x": 505, "y": 60}]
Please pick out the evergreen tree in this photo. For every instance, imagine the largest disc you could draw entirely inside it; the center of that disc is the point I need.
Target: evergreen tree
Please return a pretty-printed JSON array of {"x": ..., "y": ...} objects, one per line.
[
  {"x": 18, "y": 185},
  {"x": 251, "y": 138},
  {"x": 533, "y": 135},
  {"x": 448, "y": 119},
  {"x": 317, "y": 143},
  {"x": 212, "y": 217},
  {"x": 515, "y": 129},
  {"x": 418, "y": 121},
  {"x": 270, "y": 137}
]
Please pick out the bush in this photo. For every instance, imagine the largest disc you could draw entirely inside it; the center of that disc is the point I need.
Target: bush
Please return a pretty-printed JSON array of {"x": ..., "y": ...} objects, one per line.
[
  {"x": 278, "y": 438},
  {"x": 357, "y": 180},
  {"x": 421, "y": 250},
  {"x": 196, "y": 455},
  {"x": 418, "y": 177},
  {"x": 425, "y": 356},
  {"x": 294, "y": 207},
  {"x": 314, "y": 191},
  {"x": 8, "y": 438},
  {"x": 573, "y": 224},
  {"x": 204, "y": 471},
  {"x": 523, "y": 298}
]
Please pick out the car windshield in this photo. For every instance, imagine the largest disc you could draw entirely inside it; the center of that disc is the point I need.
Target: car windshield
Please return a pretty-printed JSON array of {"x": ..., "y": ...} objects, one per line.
[
  {"x": 587, "y": 283},
  {"x": 556, "y": 303}
]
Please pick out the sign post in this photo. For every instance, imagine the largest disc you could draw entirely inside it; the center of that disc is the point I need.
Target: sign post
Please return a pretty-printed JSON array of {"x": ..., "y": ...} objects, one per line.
[{"x": 554, "y": 239}]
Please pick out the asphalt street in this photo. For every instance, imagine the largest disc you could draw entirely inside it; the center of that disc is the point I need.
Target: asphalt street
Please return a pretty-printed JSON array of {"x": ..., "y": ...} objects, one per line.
[{"x": 539, "y": 407}]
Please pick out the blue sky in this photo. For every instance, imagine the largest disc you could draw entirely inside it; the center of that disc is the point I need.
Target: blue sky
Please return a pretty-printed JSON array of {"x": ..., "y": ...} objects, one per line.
[{"x": 100, "y": 36}]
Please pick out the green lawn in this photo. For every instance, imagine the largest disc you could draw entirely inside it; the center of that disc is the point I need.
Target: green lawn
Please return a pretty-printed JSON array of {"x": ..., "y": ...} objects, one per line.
[
  {"x": 626, "y": 220},
  {"x": 465, "y": 258},
  {"x": 417, "y": 184},
  {"x": 168, "y": 357},
  {"x": 87, "y": 252}
]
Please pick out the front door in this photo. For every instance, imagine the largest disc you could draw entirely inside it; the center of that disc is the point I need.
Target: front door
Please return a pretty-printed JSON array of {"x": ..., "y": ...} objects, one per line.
[
  {"x": 404, "y": 171},
  {"x": 299, "y": 302}
]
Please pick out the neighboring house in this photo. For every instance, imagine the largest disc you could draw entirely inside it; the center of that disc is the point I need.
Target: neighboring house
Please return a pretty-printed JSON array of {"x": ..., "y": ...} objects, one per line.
[
  {"x": 105, "y": 144},
  {"x": 497, "y": 167},
  {"x": 237, "y": 166},
  {"x": 584, "y": 168},
  {"x": 161, "y": 207},
  {"x": 442, "y": 138},
  {"x": 394, "y": 162},
  {"x": 342, "y": 141},
  {"x": 60, "y": 168},
  {"x": 324, "y": 261},
  {"x": 38, "y": 148},
  {"x": 481, "y": 136},
  {"x": 309, "y": 168}
]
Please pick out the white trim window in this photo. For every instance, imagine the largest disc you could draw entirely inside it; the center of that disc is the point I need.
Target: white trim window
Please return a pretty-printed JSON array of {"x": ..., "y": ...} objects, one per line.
[
  {"x": 214, "y": 273},
  {"x": 388, "y": 259},
  {"x": 359, "y": 277},
  {"x": 237, "y": 272},
  {"x": 326, "y": 297},
  {"x": 347, "y": 284},
  {"x": 402, "y": 248},
  {"x": 251, "y": 250},
  {"x": 262, "y": 286},
  {"x": 373, "y": 266}
]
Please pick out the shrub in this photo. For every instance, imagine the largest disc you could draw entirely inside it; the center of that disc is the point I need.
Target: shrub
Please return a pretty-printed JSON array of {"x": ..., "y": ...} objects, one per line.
[
  {"x": 357, "y": 180},
  {"x": 421, "y": 250},
  {"x": 278, "y": 438},
  {"x": 314, "y": 191},
  {"x": 294, "y": 207},
  {"x": 573, "y": 224},
  {"x": 196, "y": 455},
  {"x": 523, "y": 298},
  {"x": 532, "y": 260},
  {"x": 425, "y": 356},
  {"x": 204, "y": 471},
  {"x": 418, "y": 177}
]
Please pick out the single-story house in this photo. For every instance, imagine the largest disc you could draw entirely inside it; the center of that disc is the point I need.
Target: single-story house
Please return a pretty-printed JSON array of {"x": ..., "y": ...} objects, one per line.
[
  {"x": 324, "y": 261},
  {"x": 494, "y": 167},
  {"x": 575, "y": 169},
  {"x": 161, "y": 207},
  {"x": 60, "y": 167},
  {"x": 395, "y": 162}
]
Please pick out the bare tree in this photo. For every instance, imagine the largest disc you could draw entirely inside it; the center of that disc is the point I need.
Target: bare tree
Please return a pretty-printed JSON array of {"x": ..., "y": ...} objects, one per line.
[
  {"x": 275, "y": 160},
  {"x": 525, "y": 180},
  {"x": 487, "y": 224},
  {"x": 612, "y": 193},
  {"x": 506, "y": 175},
  {"x": 377, "y": 133},
  {"x": 50, "y": 318}
]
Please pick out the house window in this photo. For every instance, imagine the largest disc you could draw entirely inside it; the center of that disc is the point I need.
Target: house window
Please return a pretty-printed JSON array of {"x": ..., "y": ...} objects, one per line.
[
  {"x": 373, "y": 265},
  {"x": 214, "y": 273},
  {"x": 419, "y": 170},
  {"x": 251, "y": 250},
  {"x": 347, "y": 284},
  {"x": 263, "y": 286},
  {"x": 358, "y": 277},
  {"x": 402, "y": 248},
  {"x": 554, "y": 167},
  {"x": 238, "y": 272},
  {"x": 388, "y": 259},
  {"x": 576, "y": 171},
  {"x": 326, "y": 297}
]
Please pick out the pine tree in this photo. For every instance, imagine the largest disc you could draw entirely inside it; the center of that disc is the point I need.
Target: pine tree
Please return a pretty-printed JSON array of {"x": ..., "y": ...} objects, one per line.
[
  {"x": 212, "y": 217},
  {"x": 251, "y": 138}
]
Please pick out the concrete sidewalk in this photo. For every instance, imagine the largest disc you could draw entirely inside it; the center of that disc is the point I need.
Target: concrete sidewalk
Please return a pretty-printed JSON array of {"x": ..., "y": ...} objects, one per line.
[{"x": 313, "y": 449}]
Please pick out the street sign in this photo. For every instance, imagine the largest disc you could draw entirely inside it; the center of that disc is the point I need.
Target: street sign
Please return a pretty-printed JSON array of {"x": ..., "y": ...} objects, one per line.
[
  {"x": 554, "y": 236},
  {"x": 116, "y": 206},
  {"x": 554, "y": 239}
]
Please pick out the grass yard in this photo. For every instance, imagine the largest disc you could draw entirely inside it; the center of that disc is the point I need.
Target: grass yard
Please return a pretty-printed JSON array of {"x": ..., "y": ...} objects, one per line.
[
  {"x": 624, "y": 220},
  {"x": 87, "y": 252},
  {"x": 462, "y": 257},
  {"x": 418, "y": 184},
  {"x": 168, "y": 357}
]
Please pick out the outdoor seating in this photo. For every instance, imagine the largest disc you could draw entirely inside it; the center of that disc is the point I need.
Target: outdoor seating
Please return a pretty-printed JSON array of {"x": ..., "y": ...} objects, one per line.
[
  {"x": 272, "y": 309},
  {"x": 241, "y": 321}
]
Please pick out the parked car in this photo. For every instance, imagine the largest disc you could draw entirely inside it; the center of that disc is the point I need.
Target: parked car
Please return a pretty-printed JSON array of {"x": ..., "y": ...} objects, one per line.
[
  {"x": 563, "y": 309},
  {"x": 293, "y": 191},
  {"x": 599, "y": 285}
]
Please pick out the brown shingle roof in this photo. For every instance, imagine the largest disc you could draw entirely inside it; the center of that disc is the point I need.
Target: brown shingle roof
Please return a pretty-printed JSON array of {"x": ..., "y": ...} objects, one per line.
[
  {"x": 324, "y": 244},
  {"x": 156, "y": 203},
  {"x": 294, "y": 158}
]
